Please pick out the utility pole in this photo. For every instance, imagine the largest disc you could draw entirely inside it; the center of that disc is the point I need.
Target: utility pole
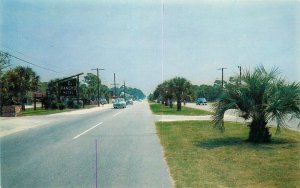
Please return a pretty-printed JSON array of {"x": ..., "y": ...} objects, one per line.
[
  {"x": 240, "y": 74},
  {"x": 222, "y": 76},
  {"x": 98, "y": 86},
  {"x": 115, "y": 85},
  {"x": 124, "y": 91}
]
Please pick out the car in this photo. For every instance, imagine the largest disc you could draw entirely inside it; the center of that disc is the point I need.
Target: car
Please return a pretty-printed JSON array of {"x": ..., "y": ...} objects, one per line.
[
  {"x": 201, "y": 101},
  {"x": 129, "y": 101},
  {"x": 103, "y": 101},
  {"x": 119, "y": 103}
]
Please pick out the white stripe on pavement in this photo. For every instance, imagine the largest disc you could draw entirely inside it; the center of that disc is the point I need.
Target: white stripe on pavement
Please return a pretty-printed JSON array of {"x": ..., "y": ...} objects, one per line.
[
  {"x": 87, "y": 130},
  {"x": 117, "y": 114}
]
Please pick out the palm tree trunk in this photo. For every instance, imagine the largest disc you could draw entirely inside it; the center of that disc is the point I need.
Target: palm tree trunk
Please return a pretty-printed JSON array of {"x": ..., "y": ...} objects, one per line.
[
  {"x": 179, "y": 104},
  {"x": 259, "y": 132}
]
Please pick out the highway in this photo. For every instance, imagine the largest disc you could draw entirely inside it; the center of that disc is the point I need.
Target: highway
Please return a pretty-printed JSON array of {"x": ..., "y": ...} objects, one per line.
[{"x": 107, "y": 148}]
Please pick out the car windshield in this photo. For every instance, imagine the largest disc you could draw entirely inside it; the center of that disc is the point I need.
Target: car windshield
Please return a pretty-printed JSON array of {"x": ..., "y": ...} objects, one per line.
[{"x": 119, "y": 100}]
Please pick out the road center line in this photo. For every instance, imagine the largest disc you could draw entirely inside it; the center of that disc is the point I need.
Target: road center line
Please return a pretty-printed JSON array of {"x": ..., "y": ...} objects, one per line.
[
  {"x": 87, "y": 130},
  {"x": 117, "y": 114}
]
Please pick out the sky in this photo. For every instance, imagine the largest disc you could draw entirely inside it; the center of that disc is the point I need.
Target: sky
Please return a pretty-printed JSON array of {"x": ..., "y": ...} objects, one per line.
[{"x": 145, "y": 42}]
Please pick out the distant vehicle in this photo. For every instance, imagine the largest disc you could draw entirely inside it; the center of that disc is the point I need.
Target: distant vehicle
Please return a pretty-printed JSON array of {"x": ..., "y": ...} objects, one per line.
[
  {"x": 103, "y": 101},
  {"x": 129, "y": 101},
  {"x": 201, "y": 101},
  {"x": 119, "y": 103}
]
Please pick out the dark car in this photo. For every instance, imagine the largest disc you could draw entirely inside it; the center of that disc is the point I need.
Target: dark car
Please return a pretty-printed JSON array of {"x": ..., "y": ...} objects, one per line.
[{"x": 201, "y": 101}]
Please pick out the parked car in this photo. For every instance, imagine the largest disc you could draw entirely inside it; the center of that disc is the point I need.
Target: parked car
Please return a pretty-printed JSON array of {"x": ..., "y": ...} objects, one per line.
[
  {"x": 103, "y": 101},
  {"x": 129, "y": 102},
  {"x": 201, "y": 101},
  {"x": 119, "y": 103}
]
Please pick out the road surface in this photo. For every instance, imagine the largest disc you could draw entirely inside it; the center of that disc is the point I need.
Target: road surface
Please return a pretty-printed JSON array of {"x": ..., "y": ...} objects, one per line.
[{"x": 102, "y": 148}]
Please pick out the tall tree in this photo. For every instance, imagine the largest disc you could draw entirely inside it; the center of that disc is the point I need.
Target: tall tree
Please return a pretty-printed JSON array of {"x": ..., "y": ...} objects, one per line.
[
  {"x": 4, "y": 63},
  {"x": 262, "y": 96},
  {"x": 17, "y": 82},
  {"x": 92, "y": 82},
  {"x": 180, "y": 87}
]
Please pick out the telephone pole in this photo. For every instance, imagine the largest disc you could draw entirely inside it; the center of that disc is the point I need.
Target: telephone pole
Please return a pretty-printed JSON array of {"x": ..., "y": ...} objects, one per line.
[
  {"x": 124, "y": 91},
  {"x": 115, "y": 85},
  {"x": 98, "y": 86},
  {"x": 240, "y": 74},
  {"x": 222, "y": 76}
]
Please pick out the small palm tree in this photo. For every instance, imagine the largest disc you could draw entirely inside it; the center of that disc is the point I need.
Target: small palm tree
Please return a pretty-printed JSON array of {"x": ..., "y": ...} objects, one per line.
[
  {"x": 262, "y": 96},
  {"x": 180, "y": 86}
]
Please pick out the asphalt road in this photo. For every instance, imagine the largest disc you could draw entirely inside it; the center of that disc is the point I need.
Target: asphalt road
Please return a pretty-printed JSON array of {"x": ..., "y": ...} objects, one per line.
[{"x": 107, "y": 148}]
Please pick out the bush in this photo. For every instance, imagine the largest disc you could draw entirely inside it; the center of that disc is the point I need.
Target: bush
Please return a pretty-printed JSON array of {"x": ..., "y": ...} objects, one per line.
[
  {"x": 76, "y": 106},
  {"x": 61, "y": 106},
  {"x": 70, "y": 104},
  {"x": 54, "y": 105}
]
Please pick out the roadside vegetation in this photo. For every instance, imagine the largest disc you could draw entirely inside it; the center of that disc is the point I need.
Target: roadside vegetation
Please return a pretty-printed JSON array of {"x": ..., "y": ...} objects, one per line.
[
  {"x": 41, "y": 111},
  {"x": 200, "y": 156},
  {"x": 261, "y": 96},
  {"x": 160, "y": 109},
  {"x": 21, "y": 85}
]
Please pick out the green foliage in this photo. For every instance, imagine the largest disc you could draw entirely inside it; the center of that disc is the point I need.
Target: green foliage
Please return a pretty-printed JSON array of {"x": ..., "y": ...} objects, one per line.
[
  {"x": 17, "y": 82},
  {"x": 54, "y": 105},
  {"x": 76, "y": 106},
  {"x": 178, "y": 88},
  {"x": 4, "y": 61},
  {"x": 61, "y": 106},
  {"x": 262, "y": 96},
  {"x": 130, "y": 92},
  {"x": 70, "y": 104}
]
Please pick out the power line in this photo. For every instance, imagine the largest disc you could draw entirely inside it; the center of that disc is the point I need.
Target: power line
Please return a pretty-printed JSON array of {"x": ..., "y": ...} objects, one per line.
[{"x": 34, "y": 64}]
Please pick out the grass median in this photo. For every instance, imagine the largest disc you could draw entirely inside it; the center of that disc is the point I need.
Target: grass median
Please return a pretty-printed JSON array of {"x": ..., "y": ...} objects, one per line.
[
  {"x": 160, "y": 109},
  {"x": 200, "y": 156}
]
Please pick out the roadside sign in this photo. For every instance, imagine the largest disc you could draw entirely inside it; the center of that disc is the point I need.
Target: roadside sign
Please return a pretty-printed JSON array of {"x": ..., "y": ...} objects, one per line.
[{"x": 68, "y": 88}]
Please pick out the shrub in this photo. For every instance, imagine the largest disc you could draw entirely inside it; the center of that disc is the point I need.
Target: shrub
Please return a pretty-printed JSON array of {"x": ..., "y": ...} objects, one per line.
[
  {"x": 76, "y": 106},
  {"x": 70, "y": 104},
  {"x": 54, "y": 105},
  {"x": 61, "y": 106}
]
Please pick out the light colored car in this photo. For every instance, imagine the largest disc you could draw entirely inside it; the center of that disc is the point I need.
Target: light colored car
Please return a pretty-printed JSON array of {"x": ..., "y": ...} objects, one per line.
[
  {"x": 129, "y": 101},
  {"x": 201, "y": 101},
  {"x": 119, "y": 103},
  {"x": 103, "y": 101}
]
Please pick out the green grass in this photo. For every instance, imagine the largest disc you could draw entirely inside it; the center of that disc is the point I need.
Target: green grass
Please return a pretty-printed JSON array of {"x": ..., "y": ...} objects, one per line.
[
  {"x": 160, "y": 109},
  {"x": 40, "y": 111},
  {"x": 200, "y": 156}
]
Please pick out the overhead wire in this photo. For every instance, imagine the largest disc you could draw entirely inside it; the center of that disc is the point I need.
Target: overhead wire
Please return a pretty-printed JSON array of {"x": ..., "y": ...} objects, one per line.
[{"x": 33, "y": 64}]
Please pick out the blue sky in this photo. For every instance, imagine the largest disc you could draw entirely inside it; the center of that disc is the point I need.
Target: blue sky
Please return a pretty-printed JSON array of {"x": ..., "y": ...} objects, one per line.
[{"x": 125, "y": 37}]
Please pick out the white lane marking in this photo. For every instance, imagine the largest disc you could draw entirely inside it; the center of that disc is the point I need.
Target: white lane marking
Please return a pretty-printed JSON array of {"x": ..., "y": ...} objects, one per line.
[
  {"x": 87, "y": 130},
  {"x": 117, "y": 114}
]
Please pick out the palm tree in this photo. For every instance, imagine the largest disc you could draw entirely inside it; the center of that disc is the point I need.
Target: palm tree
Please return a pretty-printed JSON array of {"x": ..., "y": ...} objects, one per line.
[
  {"x": 180, "y": 87},
  {"x": 262, "y": 96}
]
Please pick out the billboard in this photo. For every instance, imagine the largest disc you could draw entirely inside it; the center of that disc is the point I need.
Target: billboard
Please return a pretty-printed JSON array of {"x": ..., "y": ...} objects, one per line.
[{"x": 68, "y": 88}]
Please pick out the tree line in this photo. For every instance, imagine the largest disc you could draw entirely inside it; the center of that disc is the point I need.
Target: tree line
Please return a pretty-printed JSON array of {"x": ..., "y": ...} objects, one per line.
[
  {"x": 260, "y": 96},
  {"x": 17, "y": 85},
  {"x": 181, "y": 90}
]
